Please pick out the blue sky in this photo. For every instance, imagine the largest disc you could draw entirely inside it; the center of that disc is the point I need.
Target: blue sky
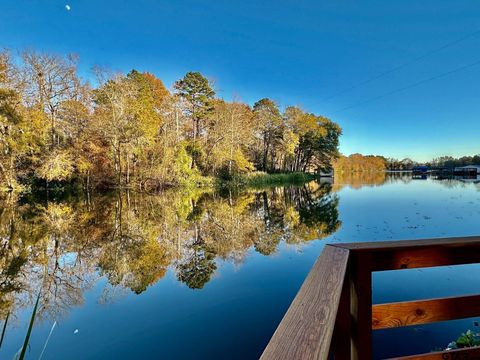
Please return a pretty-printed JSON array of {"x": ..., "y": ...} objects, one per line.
[{"x": 295, "y": 52}]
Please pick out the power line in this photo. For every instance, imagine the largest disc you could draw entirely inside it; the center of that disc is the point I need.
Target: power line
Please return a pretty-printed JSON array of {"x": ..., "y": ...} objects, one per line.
[
  {"x": 461, "y": 68},
  {"x": 401, "y": 66}
]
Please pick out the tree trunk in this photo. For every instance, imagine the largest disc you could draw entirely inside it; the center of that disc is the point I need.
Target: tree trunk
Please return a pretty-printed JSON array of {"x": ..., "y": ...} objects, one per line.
[
  {"x": 53, "y": 130},
  {"x": 177, "y": 125},
  {"x": 119, "y": 156},
  {"x": 194, "y": 125},
  {"x": 265, "y": 152},
  {"x": 127, "y": 175},
  {"x": 231, "y": 147}
]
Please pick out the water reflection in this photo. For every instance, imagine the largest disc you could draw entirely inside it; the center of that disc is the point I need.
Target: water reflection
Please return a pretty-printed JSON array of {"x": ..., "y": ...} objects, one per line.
[
  {"x": 168, "y": 266},
  {"x": 63, "y": 247},
  {"x": 358, "y": 180}
]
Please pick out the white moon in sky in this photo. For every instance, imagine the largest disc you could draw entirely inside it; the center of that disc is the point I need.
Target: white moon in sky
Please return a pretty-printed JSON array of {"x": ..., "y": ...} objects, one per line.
[{"x": 67, "y": 7}]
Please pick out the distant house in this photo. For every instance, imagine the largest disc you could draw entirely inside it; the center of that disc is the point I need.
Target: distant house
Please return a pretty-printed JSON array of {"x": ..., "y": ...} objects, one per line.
[{"x": 469, "y": 170}]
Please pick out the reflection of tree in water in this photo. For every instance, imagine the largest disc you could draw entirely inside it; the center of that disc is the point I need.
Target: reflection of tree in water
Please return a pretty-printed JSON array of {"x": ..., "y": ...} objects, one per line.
[
  {"x": 459, "y": 182},
  {"x": 41, "y": 249},
  {"x": 198, "y": 267},
  {"x": 297, "y": 214},
  {"x": 132, "y": 239},
  {"x": 319, "y": 214},
  {"x": 357, "y": 180}
]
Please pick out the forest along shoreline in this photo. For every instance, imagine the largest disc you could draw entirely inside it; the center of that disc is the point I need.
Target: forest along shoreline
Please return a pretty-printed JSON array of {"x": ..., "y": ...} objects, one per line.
[{"x": 129, "y": 131}]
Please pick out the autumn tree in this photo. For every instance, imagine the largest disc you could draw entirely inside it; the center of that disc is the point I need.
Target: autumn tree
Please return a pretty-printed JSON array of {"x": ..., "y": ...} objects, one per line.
[
  {"x": 20, "y": 128},
  {"x": 50, "y": 82},
  {"x": 318, "y": 140},
  {"x": 126, "y": 118},
  {"x": 229, "y": 135},
  {"x": 153, "y": 161},
  {"x": 9, "y": 121}
]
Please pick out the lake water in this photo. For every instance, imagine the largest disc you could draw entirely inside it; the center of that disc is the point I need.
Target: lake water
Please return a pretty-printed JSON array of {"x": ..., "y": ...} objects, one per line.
[{"x": 210, "y": 275}]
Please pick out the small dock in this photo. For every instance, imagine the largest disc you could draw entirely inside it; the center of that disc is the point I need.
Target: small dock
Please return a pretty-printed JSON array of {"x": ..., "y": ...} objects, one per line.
[{"x": 332, "y": 315}]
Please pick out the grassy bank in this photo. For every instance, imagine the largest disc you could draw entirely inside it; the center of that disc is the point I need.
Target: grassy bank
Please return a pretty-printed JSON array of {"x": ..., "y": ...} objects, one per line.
[
  {"x": 253, "y": 180},
  {"x": 261, "y": 179}
]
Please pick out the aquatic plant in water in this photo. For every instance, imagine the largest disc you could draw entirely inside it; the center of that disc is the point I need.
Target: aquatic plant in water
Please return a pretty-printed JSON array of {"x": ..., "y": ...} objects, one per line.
[
  {"x": 30, "y": 327},
  {"x": 4, "y": 329},
  {"x": 467, "y": 339}
]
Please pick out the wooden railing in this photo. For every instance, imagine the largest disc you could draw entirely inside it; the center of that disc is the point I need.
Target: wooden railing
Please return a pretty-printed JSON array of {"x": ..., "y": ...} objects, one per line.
[{"x": 332, "y": 315}]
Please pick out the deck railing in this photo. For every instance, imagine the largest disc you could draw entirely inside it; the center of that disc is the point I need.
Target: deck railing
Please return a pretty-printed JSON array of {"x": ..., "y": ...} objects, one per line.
[{"x": 332, "y": 315}]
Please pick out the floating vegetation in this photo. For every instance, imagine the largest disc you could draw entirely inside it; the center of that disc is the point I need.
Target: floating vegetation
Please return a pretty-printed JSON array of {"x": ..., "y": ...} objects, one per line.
[{"x": 465, "y": 340}]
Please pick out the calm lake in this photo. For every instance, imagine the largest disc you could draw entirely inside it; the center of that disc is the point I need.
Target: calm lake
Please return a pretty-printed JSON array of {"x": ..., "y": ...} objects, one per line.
[{"x": 210, "y": 275}]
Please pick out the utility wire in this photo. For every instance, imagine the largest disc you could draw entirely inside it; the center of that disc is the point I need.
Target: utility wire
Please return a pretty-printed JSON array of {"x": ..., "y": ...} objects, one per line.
[
  {"x": 461, "y": 68},
  {"x": 401, "y": 66}
]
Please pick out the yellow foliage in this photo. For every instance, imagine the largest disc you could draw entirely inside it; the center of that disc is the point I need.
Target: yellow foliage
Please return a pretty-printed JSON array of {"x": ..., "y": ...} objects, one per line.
[{"x": 56, "y": 166}]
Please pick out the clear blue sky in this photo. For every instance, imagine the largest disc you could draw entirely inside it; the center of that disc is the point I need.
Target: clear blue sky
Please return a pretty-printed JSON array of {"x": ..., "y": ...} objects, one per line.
[{"x": 296, "y": 52}]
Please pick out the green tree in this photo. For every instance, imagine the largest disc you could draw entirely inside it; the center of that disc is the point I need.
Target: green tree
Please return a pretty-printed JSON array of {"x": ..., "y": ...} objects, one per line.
[
  {"x": 270, "y": 126},
  {"x": 198, "y": 94}
]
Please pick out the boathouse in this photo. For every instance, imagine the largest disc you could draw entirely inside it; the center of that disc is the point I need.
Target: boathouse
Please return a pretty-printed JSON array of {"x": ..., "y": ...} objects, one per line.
[{"x": 469, "y": 170}]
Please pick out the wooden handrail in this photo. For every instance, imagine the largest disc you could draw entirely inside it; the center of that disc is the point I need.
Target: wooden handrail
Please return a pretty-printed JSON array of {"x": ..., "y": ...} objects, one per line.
[
  {"x": 424, "y": 311},
  {"x": 306, "y": 329},
  {"x": 332, "y": 314},
  {"x": 410, "y": 254}
]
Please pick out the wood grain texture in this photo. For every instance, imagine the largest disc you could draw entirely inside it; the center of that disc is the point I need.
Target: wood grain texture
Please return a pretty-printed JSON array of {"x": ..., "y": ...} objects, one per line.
[
  {"x": 306, "y": 330},
  {"x": 409, "y": 254},
  {"x": 361, "y": 305},
  {"x": 424, "y": 311},
  {"x": 458, "y": 354}
]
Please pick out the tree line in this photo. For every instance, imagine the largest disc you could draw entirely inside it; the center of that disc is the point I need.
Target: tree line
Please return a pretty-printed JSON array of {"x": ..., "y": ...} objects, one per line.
[
  {"x": 450, "y": 162},
  {"x": 440, "y": 162},
  {"x": 129, "y": 130},
  {"x": 357, "y": 163}
]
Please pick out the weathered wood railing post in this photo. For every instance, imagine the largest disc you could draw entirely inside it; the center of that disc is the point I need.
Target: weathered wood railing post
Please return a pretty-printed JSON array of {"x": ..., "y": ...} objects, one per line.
[
  {"x": 361, "y": 305},
  {"x": 341, "y": 347}
]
